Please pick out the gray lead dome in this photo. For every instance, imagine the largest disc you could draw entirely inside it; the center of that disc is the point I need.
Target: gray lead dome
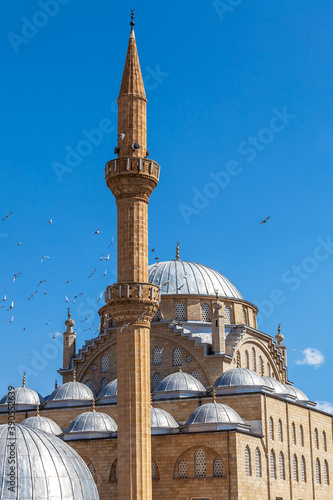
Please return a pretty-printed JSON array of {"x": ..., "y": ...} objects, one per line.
[
  {"x": 238, "y": 377},
  {"x": 179, "y": 384},
  {"x": 46, "y": 468},
  {"x": 25, "y": 399},
  {"x": 214, "y": 413},
  {"x": 43, "y": 424},
  {"x": 92, "y": 421},
  {"x": 70, "y": 394},
  {"x": 200, "y": 280},
  {"x": 162, "y": 421}
]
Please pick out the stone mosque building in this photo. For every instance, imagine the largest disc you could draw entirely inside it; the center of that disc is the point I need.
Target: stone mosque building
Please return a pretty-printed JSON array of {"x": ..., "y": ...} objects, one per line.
[{"x": 180, "y": 396}]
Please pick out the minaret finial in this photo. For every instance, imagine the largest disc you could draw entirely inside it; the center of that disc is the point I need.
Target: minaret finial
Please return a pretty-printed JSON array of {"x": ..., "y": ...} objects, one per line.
[
  {"x": 74, "y": 375},
  {"x": 56, "y": 384},
  {"x": 37, "y": 410},
  {"x": 69, "y": 311},
  {"x": 93, "y": 403},
  {"x": 132, "y": 18},
  {"x": 23, "y": 381},
  {"x": 177, "y": 250}
]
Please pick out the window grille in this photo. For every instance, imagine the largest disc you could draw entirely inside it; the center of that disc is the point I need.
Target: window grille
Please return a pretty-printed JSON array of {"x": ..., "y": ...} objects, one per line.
[
  {"x": 293, "y": 433},
  {"x": 244, "y": 317},
  {"x": 93, "y": 367},
  {"x": 105, "y": 364},
  {"x": 218, "y": 468},
  {"x": 261, "y": 366},
  {"x": 157, "y": 355},
  {"x": 271, "y": 428},
  {"x": 318, "y": 475},
  {"x": 104, "y": 382},
  {"x": 281, "y": 465},
  {"x": 89, "y": 383},
  {"x": 205, "y": 312},
  {"x": 188, "y": 359},
  {"x": 200, "y": 464},
  {"x": 177, "y": 357},
  {"x": 316, "y": 440},
  {"x": 324, "y": 441},
  {"x": 182, "y": 469},
  {"x": 195, "y": 374},
  {"x": 157, "y": 377},
  {"x": 303, "y": 470},
  {"x": 295, "y": 468},
  {"x": 272, "y": 462},
  {"x": 326, "y": 473},
  {"x": 247, "y": 461},
  {"x": 301, "y": 436},
  {"x": 258, "y": 462},
  {"x": 227, "y": 314},
  {"x": 92, "y": 470},
  {"x": 180, "y": 311},
  {"x": 247, "y": 360},
  {"x": 154, "y": 470},
  {"x": 253, "y": 359},
  {"x": 157, "y": 315},
  {"x": 280, "y": 432}
]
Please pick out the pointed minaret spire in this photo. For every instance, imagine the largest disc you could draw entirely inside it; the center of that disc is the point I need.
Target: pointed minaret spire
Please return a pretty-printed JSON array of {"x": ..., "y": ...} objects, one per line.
[{"x": 132, "y": 104}]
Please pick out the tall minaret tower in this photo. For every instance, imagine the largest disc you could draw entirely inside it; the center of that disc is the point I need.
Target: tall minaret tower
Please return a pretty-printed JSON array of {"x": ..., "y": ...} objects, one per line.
[{"x": 132, "y": 301}]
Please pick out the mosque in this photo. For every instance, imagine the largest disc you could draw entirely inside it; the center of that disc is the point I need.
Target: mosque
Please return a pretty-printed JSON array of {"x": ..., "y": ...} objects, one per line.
[{"x": 180, "y": 396}]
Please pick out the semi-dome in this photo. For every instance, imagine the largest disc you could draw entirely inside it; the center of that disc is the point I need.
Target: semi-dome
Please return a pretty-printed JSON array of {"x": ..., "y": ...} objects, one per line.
[
  {"x": 277, "y": 386},
  {"x": 214, "y": 413},
  {"x": 92, "y": 422},
  {"x": 179, "y": 384},
  {"x": 238, "y": 380},
  {"x": 109, "y": 390},
  {"x": 24, "y": 399},
  {"x": 70, "y": 394},
  {"x": 177, "y": 277},
  {"x": 48, "y": 467},
  {"x": 161, "y": 421},
  {"x": 43, "y": 424}
]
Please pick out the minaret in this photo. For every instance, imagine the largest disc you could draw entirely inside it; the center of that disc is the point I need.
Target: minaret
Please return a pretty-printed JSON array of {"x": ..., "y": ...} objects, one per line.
[
  {"x": 218, "y": 330},
  {"x": 132, "y": 301},
  {"x": 69, "y": 341}
]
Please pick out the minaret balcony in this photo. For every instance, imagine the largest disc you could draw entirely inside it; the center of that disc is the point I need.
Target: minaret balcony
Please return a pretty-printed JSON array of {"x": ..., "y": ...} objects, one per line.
[{"x": 129, "y": 166}]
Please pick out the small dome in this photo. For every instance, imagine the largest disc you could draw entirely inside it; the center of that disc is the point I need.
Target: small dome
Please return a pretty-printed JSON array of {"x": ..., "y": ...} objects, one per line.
[
  {"x": 43, "y": 424},
  {"x": 92, "y": 421},
  {"x": 180, "y": 381},
  {"x": 277, "y": 387},
  {"x": 200, "y": 280},
  {"x": 110, "y": 390},
  {"x": 162, "y": 421},
  {"x": 24, "y": 397},
  {"x": 70, "y": 392},
  {"x": 214, "y": 413},
  {"x": 294, "y": 391},
  {"x": 47, "y": 467},
  {"x": 239, "y": 376}
]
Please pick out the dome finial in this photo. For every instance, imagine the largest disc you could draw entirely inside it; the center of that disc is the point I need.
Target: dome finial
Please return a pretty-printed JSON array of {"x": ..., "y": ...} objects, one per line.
[
  {"x": 279, "y": 337},
  {"x": 151, "y": 400},
  {"x": 74, "y": 375},
  {"x": 69, "y": 311},
  {"x": 37, "y": 410},
  {"x": 177, "y": 250},
  {"x": 214, "y": 395},
  {"x": 132, "y": 23},
  {"x": 56, "y": 384},
  {"x": 93, "y": 403},
  {"x": 23, "y": 381}
]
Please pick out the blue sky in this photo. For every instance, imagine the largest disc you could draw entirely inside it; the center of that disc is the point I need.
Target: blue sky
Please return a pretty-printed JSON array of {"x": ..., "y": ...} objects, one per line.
[{"x": 240, "y": 120}]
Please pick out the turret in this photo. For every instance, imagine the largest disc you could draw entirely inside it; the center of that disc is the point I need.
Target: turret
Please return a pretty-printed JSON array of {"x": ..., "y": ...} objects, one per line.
[
  {"x": 218, "y": 330},
  {"x": 69, "y": 335}
]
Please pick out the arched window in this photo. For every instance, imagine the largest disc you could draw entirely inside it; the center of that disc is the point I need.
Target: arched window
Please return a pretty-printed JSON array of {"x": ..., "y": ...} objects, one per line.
[
  {"x": 324, "y": 441},
  {"x": 271, "y": 428},
  {"x": 182, "y": 469},
  {"x": 114, "y": 472},
  {"x": 280, "y": 431},
  {"x": 273, "y": 465},
  {"x": 157, "y": 316},
  {"x": 92, "y": 470},
  {"x": 157, "y": 377},
  {"x": 244, "y": 317},
  {"x": 316, "y": 440},
  {"x": 180, "y": 311},
  {"x": 195, "y": 374},
  {"x": 301, "y": 436},
  {"x": 281, "y": 466},
  {"x": 205, "y": 312},
  {"x": 326, "y": 473},
  {"x": 104, "y": 382},
  {"x": 303, "y": 469},
  {"x": 247, "y": 360},
  {"x": 227, "y": 314},
  {"x": 238, "y": 360},
  {"x": 105, "y": 363},
  {"x": 258, "y": 462},
  {"x": 295, "y": 468},
  {"x": 253, "y": 359},
  {"x": 293, "y": 433},
  {"x": 318, "y": 473},
  {"x": 89, "y": 383},
  {"x": 261, "y": 366},
  {"x": 177, "y": 357},
  {"x": 217, "y": 468},
  {"x": 200, "y": 465},
  {"x": 247, "y": 461},
  {"x": 154, "y": 470},
  {"x": 157, "y": 355},
  {"x": 268, "y": 370}
]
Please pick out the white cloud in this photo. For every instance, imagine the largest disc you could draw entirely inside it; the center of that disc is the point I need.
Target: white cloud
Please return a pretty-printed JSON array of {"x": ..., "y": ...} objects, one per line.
[
  {"x": 57, "y": 334},
  {"x": 325, "y": 406},
  {"x": 311, "y": 357}
]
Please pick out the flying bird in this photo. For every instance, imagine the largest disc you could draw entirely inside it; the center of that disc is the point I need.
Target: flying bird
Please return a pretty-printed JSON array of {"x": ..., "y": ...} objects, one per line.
[
  {"x": 157, "y": 259},
  {"x": 264, "y": 221},
  {"x": 7, "y": 216},
  {"x": 11, "y": 306},
  {"x": 11, "y": 321},
  {"x": 164, "y": 284},
  {"x": 121, "y": 137},
  {"x": 107, "y": 258},
  {"x": 100, "y": 297},
  {"x": 111, "y": 241},
  {"x": 181, "y": 286},
  {"x": 86, "y": 318},
  {"x": 42, "y": 281},
  {"x": 44, "y": 257},
  {"x": 45, "y": 324},
  {"x": 77, "y": 296},
  {"x": 24, "y": 329},
  {"x": 17, "y": 275},
  {"x": 125, "y": 325},
  {"x": 31, "y": 296},
  {"x": 104, "y": 274},
  {"x": 141, "y": 315},
  {"x": 98, "y": 231},
  {"x": 50, "y": 221},
  {"x": 19, "y": 244},
  {"x": 88, "y": 329},
  {"x": 4, "y": 299},
  {"x": 101, "y": 258},
  {"x": 92, "y": 273},
  {"x": 135, "y": 268},
  {"x": 69, "y": 281},
  {"x": 153, "y": 250},
  {"x": 66, "y": 298}
]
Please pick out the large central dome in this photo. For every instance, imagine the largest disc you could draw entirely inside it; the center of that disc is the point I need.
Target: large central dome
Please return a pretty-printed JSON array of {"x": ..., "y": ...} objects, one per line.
[{"x": 180, "y": 277}]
